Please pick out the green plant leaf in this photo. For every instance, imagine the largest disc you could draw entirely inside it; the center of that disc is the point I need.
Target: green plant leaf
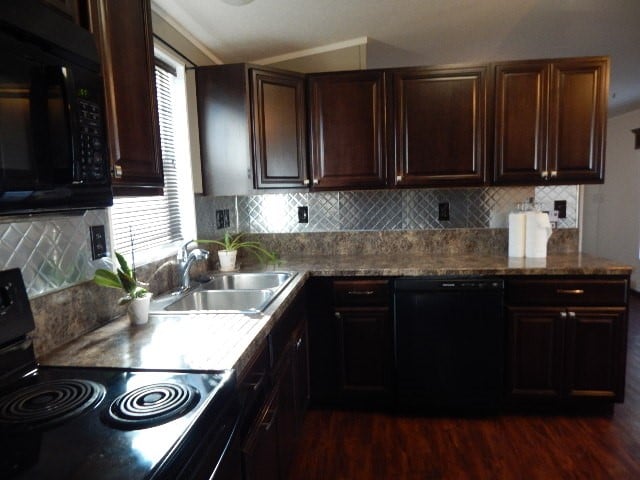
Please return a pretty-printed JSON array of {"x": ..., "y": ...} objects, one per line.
[
  {"x": 124, "y": 266},
  {"x": 106, "y": 278},
  {"x": 128, "y": 283}
]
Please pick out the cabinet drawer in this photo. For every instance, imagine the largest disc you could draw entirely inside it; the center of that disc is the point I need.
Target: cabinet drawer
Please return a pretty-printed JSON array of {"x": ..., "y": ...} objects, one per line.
[
  {"x": 361, "y": 293},
  {"x": 567, "y": 291}
]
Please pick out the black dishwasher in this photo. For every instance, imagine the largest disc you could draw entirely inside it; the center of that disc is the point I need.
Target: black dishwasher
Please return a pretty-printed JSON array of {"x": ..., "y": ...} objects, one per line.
[{"x": 449, "y": 341}]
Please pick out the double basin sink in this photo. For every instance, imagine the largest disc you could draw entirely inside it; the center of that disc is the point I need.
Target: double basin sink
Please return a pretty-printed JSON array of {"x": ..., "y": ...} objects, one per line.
[{"x": 225, "y": 293}]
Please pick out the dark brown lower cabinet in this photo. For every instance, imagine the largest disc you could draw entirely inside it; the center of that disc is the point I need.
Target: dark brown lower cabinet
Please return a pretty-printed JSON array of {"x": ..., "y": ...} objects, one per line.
[
  {"x": 362, "y": 343},
  {"x": 352, "y": 342},
  {"x": 260, "y": 450},
  {"x": 278, "y": 383},
  {"x": 562, "y": 353}
]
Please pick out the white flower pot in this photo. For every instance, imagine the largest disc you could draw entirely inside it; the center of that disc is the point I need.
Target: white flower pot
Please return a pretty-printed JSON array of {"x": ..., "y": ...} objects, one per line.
[
  {"x": 138, "y": 310},
  {"x": 227, "y": 260}
]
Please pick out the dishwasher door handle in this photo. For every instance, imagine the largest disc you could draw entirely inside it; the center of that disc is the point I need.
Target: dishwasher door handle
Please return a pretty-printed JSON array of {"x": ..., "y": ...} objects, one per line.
[
  {"x": 563, "y": 291},
  {"x": 360, "y": 292}
]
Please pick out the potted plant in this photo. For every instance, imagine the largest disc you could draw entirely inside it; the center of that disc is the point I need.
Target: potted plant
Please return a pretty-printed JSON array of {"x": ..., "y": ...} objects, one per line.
[
  {"x": 232, "y": 243},
  {"x": 136, "y": 297}
]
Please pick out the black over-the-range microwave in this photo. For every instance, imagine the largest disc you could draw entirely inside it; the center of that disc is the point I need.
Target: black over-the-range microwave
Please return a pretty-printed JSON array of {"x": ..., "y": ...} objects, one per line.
[{"x": 53, "y": 149}]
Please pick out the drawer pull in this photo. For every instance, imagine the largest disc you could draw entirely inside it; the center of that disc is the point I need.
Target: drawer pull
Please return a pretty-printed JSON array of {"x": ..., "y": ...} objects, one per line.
[
  {"x": 360, "y": 292},
  {"x": 577, "y": 291}
]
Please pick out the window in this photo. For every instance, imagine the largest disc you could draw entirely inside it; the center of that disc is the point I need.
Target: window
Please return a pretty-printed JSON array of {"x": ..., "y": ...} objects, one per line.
[{"x": 156, "y": 225}]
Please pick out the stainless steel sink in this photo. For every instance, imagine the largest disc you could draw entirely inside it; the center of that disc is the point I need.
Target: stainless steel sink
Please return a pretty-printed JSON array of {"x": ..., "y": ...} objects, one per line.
[
  {"x": 251, "y": 301},
  {"x": 226, "y": 293},
  {"x": 247, "y": 281}
]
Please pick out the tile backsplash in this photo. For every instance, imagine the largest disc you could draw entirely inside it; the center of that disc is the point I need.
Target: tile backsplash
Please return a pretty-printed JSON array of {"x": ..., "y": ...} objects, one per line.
[
  {"x": 374, "y": 210},
  {"x": 53, "y": 251}
]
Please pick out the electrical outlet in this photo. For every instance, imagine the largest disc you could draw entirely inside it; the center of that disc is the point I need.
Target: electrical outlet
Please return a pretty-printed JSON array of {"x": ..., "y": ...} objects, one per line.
[
  {"x": 98, "y": 242},
  {"x": 443, "y": 211},
  {"x": 222, "y": 219},
  {"x": 303, "y": 214},
  {"x": 561, "y": 207}
]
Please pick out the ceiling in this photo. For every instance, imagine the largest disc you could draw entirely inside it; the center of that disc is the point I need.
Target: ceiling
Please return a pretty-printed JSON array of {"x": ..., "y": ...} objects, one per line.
[{"x": 425, "y": 32}]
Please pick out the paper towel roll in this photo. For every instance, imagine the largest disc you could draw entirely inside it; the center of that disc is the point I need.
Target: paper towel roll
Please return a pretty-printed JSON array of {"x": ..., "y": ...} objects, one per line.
[
  {"x": 537, "y": 233},
  {"x": 516, "y": 234}
]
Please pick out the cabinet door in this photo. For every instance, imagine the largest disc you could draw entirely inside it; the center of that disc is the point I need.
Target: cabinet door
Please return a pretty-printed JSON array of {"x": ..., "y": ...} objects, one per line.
[
  {"x": 520, "y": 130},
  {"x": 535, "y": 352},
  {"x": 364, "y": 345},
  {"x": 440, "y": 123},
  {"x": 260, "y": 449},
  {"x": 323, "y": 348},
  {"x": 577, "y": 120},
  {"x": 279, "y": 123},
  {"x": 347, "y": 116},
  {"x": 123, "y": 32},
  {"x": 595, "y": 352},
  {"x": 287, "y": 416},
  {"x": 301, "y": 373}
]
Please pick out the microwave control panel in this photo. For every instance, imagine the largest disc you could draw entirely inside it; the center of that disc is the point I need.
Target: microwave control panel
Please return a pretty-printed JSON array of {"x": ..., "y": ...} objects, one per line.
[{"x": 92, "y": 165}]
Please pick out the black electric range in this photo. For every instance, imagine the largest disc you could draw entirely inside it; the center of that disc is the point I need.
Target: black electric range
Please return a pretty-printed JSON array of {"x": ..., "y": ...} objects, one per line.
[{"x": 104, "y": 423}]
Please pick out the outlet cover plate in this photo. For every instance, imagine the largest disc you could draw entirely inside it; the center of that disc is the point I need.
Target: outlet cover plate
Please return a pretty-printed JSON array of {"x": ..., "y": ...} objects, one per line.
[{"x": 98, "y": 242}]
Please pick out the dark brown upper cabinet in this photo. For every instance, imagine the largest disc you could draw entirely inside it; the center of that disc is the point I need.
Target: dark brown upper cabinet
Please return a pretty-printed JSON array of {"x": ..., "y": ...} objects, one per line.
[
  {"x": 279, "y": 129},
  {"x": 440, "y": 118},
  {"x": 252, "y": 128},
  {"x": 124, "y": 36},
  {"x": 550, "y": 121},
  {"x": 347, "y": 130}
]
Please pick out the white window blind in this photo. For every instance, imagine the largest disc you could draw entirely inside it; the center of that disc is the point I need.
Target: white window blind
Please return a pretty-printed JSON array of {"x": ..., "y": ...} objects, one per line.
[{"x": 151, "y": 222}]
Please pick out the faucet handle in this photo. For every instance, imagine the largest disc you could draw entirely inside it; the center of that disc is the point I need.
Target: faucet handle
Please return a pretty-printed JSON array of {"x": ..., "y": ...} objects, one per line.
[
  {"x": 199, "y": 254},
  {"x": 183, "y": 253}
]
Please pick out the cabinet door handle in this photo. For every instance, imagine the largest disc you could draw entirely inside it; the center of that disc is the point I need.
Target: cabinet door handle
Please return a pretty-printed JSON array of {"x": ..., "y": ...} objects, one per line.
[
  {"x": 545, "y": 175},
  {"x": 337, "y": 315},
  {"x": 315, "y": 181},
  {"x": 269, "y": 418},
  {"x": 563, "y": 314},
  {"x": 554, "y": 173},
  {"x": 398, "y": 178},
  {"x": 572, "y": 315},
  {"x": 117, "y": 171},
  {"x": 360, "y": 292},
  {"x": 305, "y": 181},
  {"x": 562, "y": 291},
  {"x": 257, "y": 384},
  {"x": 299, "y": 343}
]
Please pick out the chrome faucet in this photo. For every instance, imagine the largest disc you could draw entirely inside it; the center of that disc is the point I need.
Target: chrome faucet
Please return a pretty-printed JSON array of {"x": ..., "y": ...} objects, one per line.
[{"x": 186, "y": 260}]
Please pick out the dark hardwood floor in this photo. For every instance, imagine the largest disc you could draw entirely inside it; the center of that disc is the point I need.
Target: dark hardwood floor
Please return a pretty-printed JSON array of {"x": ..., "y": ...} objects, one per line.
[{"x": 339, "y": 445}]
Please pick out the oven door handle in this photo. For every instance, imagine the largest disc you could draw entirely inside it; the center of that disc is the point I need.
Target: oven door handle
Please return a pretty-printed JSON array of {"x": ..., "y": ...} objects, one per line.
[{"x": 15, "y": 347}]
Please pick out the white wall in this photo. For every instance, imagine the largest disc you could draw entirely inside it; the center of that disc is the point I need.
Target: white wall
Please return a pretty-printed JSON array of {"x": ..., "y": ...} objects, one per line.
[
  {"x": 349, "y": 58},
  {"x": 611, "y": 216}
]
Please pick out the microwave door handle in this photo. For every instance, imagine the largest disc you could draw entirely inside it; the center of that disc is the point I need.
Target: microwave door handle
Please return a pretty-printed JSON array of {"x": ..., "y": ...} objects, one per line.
[
  {"x": 62, "y": 77},
  {"x": 71, "y": 112}
]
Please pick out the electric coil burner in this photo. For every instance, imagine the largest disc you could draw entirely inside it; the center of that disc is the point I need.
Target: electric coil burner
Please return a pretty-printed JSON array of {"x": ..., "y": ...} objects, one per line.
[
  {"x": 48, "y": 404},
  {"x": 151, "y": 405},
  {"x": 105, "y": 423}
]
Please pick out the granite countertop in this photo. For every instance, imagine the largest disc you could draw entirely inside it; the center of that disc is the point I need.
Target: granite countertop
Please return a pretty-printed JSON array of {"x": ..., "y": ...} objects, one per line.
[
  {"x": 465, "y": 264},
  {"x": 223, "y": 341}
]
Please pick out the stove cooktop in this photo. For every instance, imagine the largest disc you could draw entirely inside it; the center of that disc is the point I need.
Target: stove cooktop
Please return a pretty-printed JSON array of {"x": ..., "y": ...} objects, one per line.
[{"x": 96, "y": 423}]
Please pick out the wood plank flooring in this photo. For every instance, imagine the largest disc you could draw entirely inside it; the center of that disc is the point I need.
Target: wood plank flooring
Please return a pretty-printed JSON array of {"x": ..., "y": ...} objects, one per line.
[{"x": 339, "y": 445}]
